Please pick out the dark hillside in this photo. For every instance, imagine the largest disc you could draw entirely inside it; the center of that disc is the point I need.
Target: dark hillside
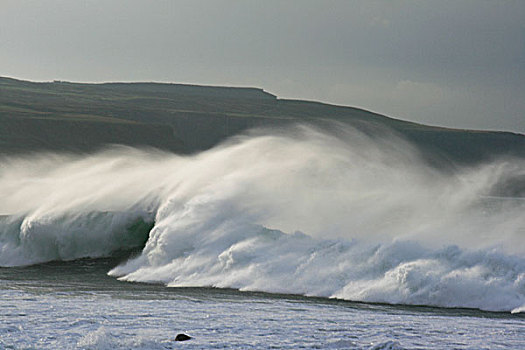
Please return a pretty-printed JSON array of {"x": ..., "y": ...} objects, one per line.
[
  {"x": 24, "y": 135},
  {"x": 188, "y": 118}
]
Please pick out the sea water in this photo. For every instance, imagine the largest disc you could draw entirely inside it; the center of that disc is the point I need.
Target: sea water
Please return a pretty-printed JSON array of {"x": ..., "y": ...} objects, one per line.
[
  {"x": 70, "y": 305},
  {"x": 300, "y": 239}
]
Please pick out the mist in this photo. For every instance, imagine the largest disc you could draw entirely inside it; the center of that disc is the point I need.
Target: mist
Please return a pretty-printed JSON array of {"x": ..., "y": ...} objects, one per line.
[
  {"x": 301, "y": 211},
  {"x": 346, "y": 186}
]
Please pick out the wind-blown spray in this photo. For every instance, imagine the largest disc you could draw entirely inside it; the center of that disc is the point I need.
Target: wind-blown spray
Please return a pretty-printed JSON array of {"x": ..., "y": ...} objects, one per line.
[{"x": 307, "y": 212}]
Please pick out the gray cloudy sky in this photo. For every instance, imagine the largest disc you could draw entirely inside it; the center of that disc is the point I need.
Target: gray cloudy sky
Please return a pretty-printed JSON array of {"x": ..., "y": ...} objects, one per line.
[{"x": 451, "y": 63}]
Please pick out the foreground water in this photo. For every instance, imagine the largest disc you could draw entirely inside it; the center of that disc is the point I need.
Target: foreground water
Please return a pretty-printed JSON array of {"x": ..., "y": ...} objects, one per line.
[{"x": 72, "y": 305}]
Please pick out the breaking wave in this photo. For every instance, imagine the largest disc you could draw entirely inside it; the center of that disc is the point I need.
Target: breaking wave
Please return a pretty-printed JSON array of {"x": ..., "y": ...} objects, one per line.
[{"x": 302, "y": 212}]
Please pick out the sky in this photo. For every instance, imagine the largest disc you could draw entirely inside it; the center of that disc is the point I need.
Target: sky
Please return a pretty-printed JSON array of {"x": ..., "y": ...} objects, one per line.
[{"x": 454, "y": 63}]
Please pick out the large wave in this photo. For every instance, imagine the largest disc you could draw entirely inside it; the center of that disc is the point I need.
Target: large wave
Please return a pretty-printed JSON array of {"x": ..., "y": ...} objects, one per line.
[{"x": 302, "y": 211}]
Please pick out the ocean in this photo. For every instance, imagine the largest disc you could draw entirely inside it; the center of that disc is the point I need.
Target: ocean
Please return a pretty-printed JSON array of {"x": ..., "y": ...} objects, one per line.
[{"x": 285, "y": 240}]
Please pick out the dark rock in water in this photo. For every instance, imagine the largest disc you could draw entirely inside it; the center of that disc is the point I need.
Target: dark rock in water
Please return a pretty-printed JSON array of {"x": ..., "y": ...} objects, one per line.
[{"x": 182, "y": 337}]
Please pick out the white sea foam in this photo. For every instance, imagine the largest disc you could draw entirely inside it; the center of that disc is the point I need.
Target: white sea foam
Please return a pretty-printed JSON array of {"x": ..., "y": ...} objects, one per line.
[{"x": 379, "y": 225}]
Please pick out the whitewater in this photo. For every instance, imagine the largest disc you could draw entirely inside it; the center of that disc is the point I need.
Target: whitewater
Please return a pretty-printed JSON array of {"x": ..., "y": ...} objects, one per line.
[{"x": 302, "y": 212}]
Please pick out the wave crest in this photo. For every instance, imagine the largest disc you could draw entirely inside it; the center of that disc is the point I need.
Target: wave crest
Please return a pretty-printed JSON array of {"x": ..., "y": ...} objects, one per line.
[{"x": 380, "y": 224}]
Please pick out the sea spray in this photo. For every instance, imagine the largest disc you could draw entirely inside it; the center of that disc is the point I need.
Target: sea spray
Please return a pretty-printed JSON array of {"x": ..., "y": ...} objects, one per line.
[{"x": 372, "y": 221}]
